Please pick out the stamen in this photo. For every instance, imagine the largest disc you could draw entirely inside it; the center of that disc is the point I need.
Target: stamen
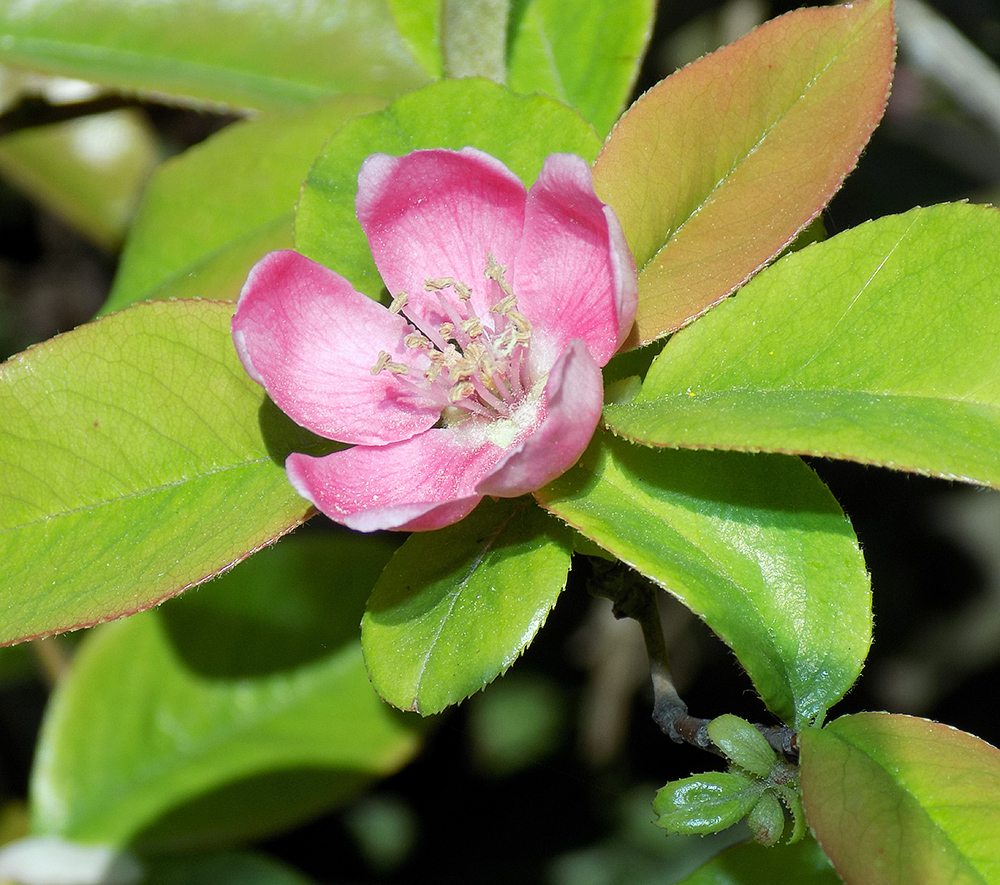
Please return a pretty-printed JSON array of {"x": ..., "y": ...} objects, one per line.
[
  {"x": 460, "y": 391},
  {"x": 417, "y": 340},
  {"x": 473, "y": 327},
  {"x": 438, "y": 284},
  {"x": 473, "y": 365},
  {"x": 505, "y": 305},
  {"x": 384, "y": 361},
  {"x": 495, "y": 272}
]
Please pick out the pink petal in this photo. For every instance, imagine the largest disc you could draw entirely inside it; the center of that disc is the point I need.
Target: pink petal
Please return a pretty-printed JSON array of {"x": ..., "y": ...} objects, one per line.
[
  {"x": 421, "y": 483},
  {"x": 573, "y": 401},
  {"x": 310, "y": 339},
  {"x": 575, "y": 276},
  {"x": 437, "y": 213}
]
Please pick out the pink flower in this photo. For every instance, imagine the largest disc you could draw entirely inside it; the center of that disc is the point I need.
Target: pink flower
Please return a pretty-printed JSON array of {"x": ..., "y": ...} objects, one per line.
[{"x": 484, "y": 376}]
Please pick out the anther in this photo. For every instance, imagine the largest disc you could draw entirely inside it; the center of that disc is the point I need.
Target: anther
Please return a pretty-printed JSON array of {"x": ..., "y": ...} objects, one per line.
[
  {"x": 416, "y": 340},
  {"x": 438, "y": 284},
  {"x": 460, "y": 391},
  {"x": 384, "y": 361},
  {"x": 399, "y": 302}
]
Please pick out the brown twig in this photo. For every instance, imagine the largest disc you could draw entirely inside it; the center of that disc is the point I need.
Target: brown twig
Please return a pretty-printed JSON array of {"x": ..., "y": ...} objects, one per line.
[{"x": 634, "y": 597}]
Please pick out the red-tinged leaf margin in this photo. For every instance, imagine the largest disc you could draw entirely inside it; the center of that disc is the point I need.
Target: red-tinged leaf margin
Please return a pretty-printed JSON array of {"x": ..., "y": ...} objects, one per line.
[
  {"x": 707, "y": 198},
  {"x": 896, "y": 799},
  {"x": 133, "y": 471}
]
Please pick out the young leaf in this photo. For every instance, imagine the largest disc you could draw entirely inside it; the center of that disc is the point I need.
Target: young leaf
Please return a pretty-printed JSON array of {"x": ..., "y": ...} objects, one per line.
[
  {"x": 742, "y": 744},
  {"x": 455, "y": 608},
  {"x": 138, "y": 458},
  {"x": 802, "y": 864},
  {"x": 273, "y": 54},
  {"x": 226, "y": 714},
  {"x": 898, "y": 799},
  {"x": 879, "y": 345},
  {"x": 716, "y": 169},
  {"x": 586, "y": 54},
  {"x": 208, "y": 215},
  {"x": 754, "y": 545},
  {"x": 450, "y": 114},
  {"x": 706, "y": 803}
]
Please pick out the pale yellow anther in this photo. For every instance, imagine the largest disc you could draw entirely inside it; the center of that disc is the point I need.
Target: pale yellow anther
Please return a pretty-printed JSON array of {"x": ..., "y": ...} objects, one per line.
[
  {"x": 384, "y": 361},
  {"x": 505, "y": 305},
  {"x": 438, "y": 284},
  {"x": 520, "y": 322},
  {"x": 446, "y": 331},
  {"x": 473, "y": 327},
  {"x": 495, "y": 271},
  {"x": 460, "y": 391},
  {"x": 399, "y": 302},
  {"x": 416, "y": 340},
  {"x": 464, "y": 292}
]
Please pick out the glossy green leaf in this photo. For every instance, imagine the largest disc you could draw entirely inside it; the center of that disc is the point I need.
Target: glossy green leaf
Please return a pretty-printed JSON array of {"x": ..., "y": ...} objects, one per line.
[
  {"x": 586, "y": 54},
  {"x": 898, "y": 799},
  {"x": 741, "y": 743},
  {"x": 454, "y": 608},
  {"x": 262, "y": 54},
  {"x": 233, "y": 711},
  {"x": 801, "y": 864},
  {"x": 706, "y": 803},
  {"x": 209, "y": 214},
  {"x": 450, "y": 114},
  {"x": 138, "y": 459},
  {"x": 89, "y": 172},
  {"x": 879, "y": 345},
  {"x": 716, "y": 169},
  {"x": 754, "y": 545},
  {"x": 222, "y": 868}
]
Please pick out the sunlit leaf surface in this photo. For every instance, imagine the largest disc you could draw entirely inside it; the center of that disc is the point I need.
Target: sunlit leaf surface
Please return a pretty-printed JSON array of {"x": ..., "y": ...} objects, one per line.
[
  {"x": 716, "y": 169},
  {"x": 755, "y": 545},
  {"x": 879, "y": 345},
  {"x": 898, "y": 799},
  {"x": 456, "y": 607},
  {"x": 138, "y": 458}
]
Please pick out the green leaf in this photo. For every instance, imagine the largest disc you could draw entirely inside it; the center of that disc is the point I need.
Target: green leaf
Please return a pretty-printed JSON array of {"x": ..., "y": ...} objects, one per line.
[
  {"x": 222, "y": 868},
  {"x": 898, "y": 799},
  {"x": 260, "y": 55},
  {"x": 802, "y": 864},
  {"x": 89, "y": 172},
  {"x": 716, "y": 169},
  {"x": 227, "y": 714},
  {"x": 454, "y": 608},
  {"x": 767, "y": 820},
  {"x": 209, "y": 214},
  {"x": 706, "y": 803},
  {"x": 586, "y": 54},
  {"x": 743, "y": 744},
  {"x": 450, "y": 114},
  {"x": 754, "y": 545},
  {"x": 138, "y": 459},
  {"x": 878, "y": 345},
  {"x": 418, "y": 22}
]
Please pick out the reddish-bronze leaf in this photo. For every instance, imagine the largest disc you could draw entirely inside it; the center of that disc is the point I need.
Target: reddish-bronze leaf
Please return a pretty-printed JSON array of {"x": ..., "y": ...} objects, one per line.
[{"x": 717, "y": 168}]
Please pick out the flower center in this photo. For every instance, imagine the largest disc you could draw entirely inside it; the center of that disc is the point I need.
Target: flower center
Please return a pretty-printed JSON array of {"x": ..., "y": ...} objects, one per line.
[{"x": 468, "y": 364}]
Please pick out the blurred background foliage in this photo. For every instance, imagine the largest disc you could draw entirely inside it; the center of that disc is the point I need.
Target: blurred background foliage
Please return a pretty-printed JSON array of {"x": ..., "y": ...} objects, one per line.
[{"x": 548, "y": 776}]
